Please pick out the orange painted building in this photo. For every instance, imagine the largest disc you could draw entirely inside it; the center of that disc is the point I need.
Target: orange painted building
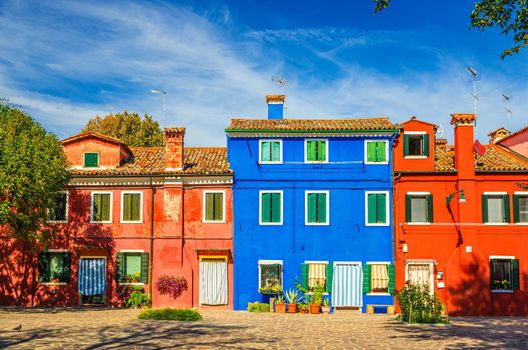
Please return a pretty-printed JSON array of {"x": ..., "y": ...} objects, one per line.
[
  {"x": 128, "y": 216},
  {"x": 461, "y": 217}
]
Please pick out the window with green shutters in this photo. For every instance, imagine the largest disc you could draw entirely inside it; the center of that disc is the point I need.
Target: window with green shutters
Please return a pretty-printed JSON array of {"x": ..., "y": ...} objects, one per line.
[
  {"x": 520, "y": 208},
  {"x": 91, "y": 160},
  {"x": 504, "y": 274},
  {"x": 101, "y": 207},
  {"x": 316, "y": 150},
  {"x": 378, "y": 278},
  {"x": 317, "y": 212},
  {"x": 214, "y": 206},
  {"x": 60, "y": 213},
  {"x": 376, "y": 151},
  {"x": 495, "y": 208},
  {"x": 419, "y": 208},
  {"x": 131, "y": 207},
  {"x": 271, "y": 208},
  {"x": 416, "y": 145},
  {"x": 270, "y": 151},
  {"x": 132, "y": 267},
  {"x": 54, "y": 267},
  {"x": 377, "y": 208}
]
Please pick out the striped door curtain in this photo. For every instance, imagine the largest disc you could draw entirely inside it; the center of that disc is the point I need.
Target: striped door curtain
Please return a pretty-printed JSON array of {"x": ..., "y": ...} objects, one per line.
[
  {"x": 316, "y": 273},
  {"x": 347, "y": 285},
  {"x": 419, "y": 273},
  {"x": 213, "y": 282},
  {"x": 92, "y": 276}
]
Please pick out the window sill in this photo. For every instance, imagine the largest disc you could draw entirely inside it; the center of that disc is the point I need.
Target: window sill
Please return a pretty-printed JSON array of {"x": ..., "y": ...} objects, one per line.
[
  {"x": 53, "y": 283},
  {"x": 502, "y": 291},
  {"x": 522, "y": 223},
  {"x": 213, "y": 222},
  {"x": 270, "y": 224},
  {"x": 131, "y": 222},
  {"x": 415, "y": 157},
  {"x": 264, "y": 163},
  {"x": 379, "y": 294},
  {"x": 496, "y": 223},
  {"x": 418, "y": 223},
  {"x": 384, "y": 224},
  {"x": 100, "y": 222},
  {"x": 377, "y": 163},
  {"x": 131, "y": 284},
  {"x": 316, "y": 224},
  {"x": 316, "y": 162}
]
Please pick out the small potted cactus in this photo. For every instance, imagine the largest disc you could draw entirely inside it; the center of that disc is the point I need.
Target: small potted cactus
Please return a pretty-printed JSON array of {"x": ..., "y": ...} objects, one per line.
[{"x": 292, "y": 296}]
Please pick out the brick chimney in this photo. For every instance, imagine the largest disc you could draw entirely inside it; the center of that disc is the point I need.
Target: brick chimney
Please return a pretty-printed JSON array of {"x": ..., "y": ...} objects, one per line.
[
  {"x": 275, "y": 106},
  {"x": 464, "y": 140},
  {"x": 174, "y": 148}
]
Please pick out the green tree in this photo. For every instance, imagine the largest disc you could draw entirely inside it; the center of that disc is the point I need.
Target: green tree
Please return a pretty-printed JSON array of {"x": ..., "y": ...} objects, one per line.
[
  {"x": 510, "y": 16},
  {"x": 33, "y": 171},
  {"x": 129, "y": 128}
]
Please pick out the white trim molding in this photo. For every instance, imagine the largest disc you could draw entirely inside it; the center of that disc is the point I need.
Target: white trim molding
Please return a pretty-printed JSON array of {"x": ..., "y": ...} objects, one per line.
[
  {"x": 306, "y": 149},
  {"x": 140, "y": 221},
  {"x": 327, "y": 220},
  {"x": 92, "y": 204},
  {"x": 260, "y": 151},
  {"x": 281, "y": 192},
  {"x": 204, "y": 204},
  {"x": 386, "y": 151},
  {"x": 270, "y": 262},
  {"x": 387, "y": 208},
  {"x": 431, "y": 264}
]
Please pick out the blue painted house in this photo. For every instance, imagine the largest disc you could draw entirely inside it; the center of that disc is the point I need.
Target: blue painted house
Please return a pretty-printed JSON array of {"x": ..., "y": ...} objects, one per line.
[{"x": 312, "y": 202}]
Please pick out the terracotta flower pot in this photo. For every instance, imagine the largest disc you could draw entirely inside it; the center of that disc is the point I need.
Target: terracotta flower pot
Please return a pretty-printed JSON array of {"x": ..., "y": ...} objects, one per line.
[
  {"x": 280, "y": 308},
  {"x": 325, "y": 309},
  {"x": 292, "y": 308},
  {"x": 303, "y": 311},
  {"x": 314, "y": 309}
]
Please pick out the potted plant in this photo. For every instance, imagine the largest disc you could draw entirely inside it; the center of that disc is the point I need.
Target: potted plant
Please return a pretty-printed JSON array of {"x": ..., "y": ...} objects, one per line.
[
  {"x": 280, "y": 304},
  {"x": 136, "y": 276},
  {"x": 303, "y": 307},
  {"x": 271, "y": 289},
  {"x": 325, "y": 307},
  {"x": 55, "y": 280},
  {"x": 317, "y": 298},
  {"x": 292, "y": 297}
]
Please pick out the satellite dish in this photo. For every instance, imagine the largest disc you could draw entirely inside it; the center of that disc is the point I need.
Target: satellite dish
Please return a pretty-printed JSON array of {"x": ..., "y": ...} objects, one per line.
[{"x": 439, "y": 131}]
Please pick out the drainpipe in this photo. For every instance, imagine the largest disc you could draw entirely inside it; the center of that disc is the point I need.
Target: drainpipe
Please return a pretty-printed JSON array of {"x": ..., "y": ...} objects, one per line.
[
  {"x": 151, "y": 237},
  {"x": 182, "y": 221}
]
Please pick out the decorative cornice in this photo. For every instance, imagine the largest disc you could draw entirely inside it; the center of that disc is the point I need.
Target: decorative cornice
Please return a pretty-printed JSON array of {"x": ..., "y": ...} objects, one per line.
[{"x": 285, "y": 133}]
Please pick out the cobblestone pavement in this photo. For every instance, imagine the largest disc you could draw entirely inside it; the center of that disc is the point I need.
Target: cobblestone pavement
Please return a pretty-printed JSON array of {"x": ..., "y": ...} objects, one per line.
[{"x": 118, "y": 329}]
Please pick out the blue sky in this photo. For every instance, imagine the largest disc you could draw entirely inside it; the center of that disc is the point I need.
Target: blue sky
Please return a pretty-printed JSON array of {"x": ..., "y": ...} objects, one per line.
[{"x": 65, "y": 62}]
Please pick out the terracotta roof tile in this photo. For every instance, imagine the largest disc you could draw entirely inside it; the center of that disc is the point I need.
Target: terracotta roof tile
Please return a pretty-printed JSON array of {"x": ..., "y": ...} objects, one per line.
[
  {"x": 150, "y": 161},
  {"x": 92, "y": 134},
  {"x": 307, "y": 125},
  {"x": 444, "y": 160},
  {"x": 520, "y": 131},
  {"x": 462, "y": 117}
]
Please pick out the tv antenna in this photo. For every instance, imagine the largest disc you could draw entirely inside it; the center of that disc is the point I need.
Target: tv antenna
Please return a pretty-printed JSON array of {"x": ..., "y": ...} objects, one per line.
[
  {"x": 507, "y": 99},
  {"x": 439, "y": 131},
  {"x": 474, "y": 76},
  {"x": 283, "y": 83}
]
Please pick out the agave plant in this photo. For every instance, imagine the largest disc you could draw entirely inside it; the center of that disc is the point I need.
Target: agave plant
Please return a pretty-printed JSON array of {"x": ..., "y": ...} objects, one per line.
[
  {"x": 292, "y": 296},
  {"x": 280, "y": 299}
]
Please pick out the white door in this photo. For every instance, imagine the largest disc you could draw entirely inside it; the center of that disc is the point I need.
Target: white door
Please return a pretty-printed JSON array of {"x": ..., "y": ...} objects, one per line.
[
  {"x": 213, "y": 282},
  {"x": 347, "y": 285}
]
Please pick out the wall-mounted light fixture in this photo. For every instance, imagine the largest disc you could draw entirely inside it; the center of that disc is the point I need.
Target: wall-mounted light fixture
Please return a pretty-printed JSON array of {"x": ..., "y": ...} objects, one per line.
[{"x": 461, "y": 199}]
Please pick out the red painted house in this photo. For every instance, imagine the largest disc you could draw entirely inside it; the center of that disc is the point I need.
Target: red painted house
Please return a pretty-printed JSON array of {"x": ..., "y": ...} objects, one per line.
[
  {"x": 132, "y": 214},
  {"x": 462, "y": 219}
]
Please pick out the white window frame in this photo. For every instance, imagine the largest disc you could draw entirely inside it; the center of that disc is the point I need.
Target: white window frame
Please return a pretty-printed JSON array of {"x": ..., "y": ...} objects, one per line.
[
  {"x": 501, "y": 257},
  {"x": 98, "y": 160},
  {"x": 131, "y": 251},
  {"x": 387, "y": 208},
  {"x": 415, "y": 133},
  {"x": 260, "y": 151},
  {"x": 204, "y": 204},
  {"x": 67, "y": 210},
  {"x": 327, "y": 223},
  {"x": 419, "y": 194},
  {"x": 496, "y": 194},
  {"x": 431, "y": 264},
  {"x": 306, "y": 149},
  {"x": 386, "y": 151},
  {"x": 261, "y": 192},
  {"x": 60, "y": 251},
  {"x": 521, "y": 193},
  {"x": 111, "y": 207},
  {"x": 308, "y": 262},
  {"x": 271, "y": 262},
  {"x": 140, "y": 221},
  {"x": 378, "y": 263}
]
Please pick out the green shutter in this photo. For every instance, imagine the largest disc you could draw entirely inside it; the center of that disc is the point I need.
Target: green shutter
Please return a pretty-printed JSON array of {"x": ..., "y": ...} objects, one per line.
[
  {"x": 219, "y": 206},
  {"x": 321, "y": 204},
  {"x": 136, "y": 207},
  {"x": 127, "y": 207},
  {"x": 91, "y": 160},
  {"x": 96, "y": 207},
  {"x": 484, "y": 208},
  {"x": 405, "y": 144},
  {"x": 66, "y": 263},
  {"x": 276, "y": 207},
  {"x": 371, "y": 151},
  {"x": 209, "y": 207},
  {"x": 275, "y": 151},
  {"x": 120, "y": 268},
  {"x": 425, "y": 145},
  {"x": 381, "y": 199},
  {"x": 515, "y": 274},
  {"x": 429, "y": 207},
  {"x": 43, "y": 267},
  {"x": 506, "y": 206},
  {"x": 516, "y": 209},
  {"x": 371, "y": 208},
  {"x": 321, "y": 151},
  {"x": 266, "y": 207},
  {"x": 366, "y": 278},
  {"x": 408, "y": 211},
  {"x": 392, "y": 278},
  {"x": 329, "y": 277},
  {"x": 381, "y": 151},
  {"x": 105, "y": 207},
  {"x": 312, "y": 206},
  {"x": 492, "y": 273},
  {"x": 144, "y": 268},
  {"x": 310, "y": 151},
  {"x": 265, "y": 151},
  {"x": 304, "y": 276}
]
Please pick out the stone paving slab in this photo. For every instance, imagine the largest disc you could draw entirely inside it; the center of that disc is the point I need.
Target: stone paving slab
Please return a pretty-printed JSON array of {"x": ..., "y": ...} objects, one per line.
[{"x": 120, "y": 329}]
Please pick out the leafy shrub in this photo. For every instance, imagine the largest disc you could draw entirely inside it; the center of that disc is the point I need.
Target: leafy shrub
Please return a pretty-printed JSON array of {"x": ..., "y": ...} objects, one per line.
[
  {"x": 418, "y": 305},
  {"x": 170, "y": 285},
  {"x": 138, "y": 300},
  {"x": 258, "y": 307},
  {"x": 170, "y": 314}
]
